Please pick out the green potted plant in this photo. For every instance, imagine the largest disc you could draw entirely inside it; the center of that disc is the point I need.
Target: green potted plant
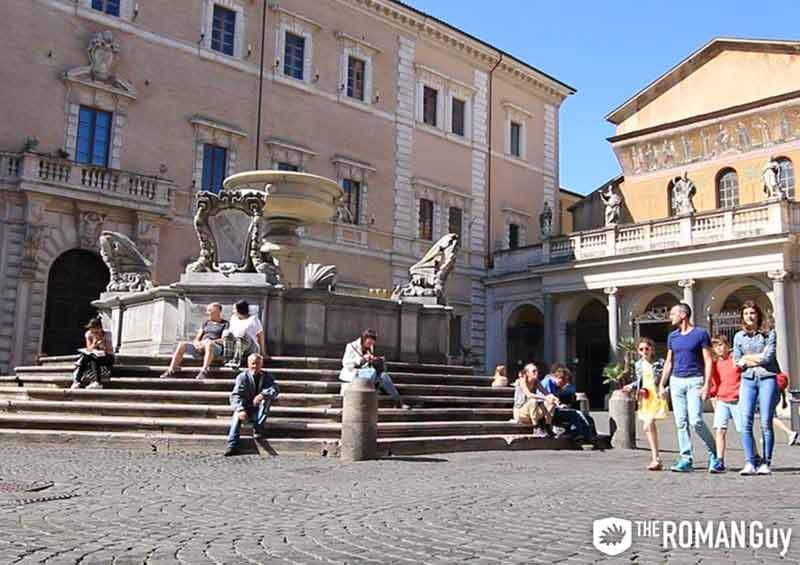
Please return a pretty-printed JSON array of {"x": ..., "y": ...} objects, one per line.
[{"x": 618, "y": 374}]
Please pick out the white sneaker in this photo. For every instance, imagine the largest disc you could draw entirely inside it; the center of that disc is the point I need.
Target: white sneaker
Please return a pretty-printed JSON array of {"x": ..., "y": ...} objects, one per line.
[
  {"x": 748, "y": 470},
  {"x": 792, "y": 438},
  {"x": 95, "y": 384},
  {"x": 764, "y": 469},
  {"x": 75, "y": 385}
]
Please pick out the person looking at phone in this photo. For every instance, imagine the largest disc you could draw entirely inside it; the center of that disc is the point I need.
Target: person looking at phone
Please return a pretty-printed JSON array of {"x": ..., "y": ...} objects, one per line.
[{"x": 360, "y": 362}]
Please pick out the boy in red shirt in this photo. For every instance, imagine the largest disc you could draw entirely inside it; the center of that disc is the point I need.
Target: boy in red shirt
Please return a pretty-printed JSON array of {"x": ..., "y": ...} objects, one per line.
[{"x": 724, "y": 388}]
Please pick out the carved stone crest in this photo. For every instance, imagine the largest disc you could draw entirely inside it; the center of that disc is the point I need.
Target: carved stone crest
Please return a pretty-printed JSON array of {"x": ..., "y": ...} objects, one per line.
[
  {"x": 90, "y": 226},
  {"x": 429, "y": 275},
  {"x": 258, "y": 251},
  {"x": 103, "y": 52},
  {"x": 129, "y": 270}
]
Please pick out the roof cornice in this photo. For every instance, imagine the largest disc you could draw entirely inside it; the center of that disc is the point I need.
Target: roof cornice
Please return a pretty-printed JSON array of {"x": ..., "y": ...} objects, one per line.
[{"x": 428, "y": 27}]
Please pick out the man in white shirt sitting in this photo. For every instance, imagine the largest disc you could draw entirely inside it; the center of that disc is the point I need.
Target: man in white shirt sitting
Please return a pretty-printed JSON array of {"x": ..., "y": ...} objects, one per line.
[
  {"x": 360, "y": 362},
  {"x": 244, "y": 335}
]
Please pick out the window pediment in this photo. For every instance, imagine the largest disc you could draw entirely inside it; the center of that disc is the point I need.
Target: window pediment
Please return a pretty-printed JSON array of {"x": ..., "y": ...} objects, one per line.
[{"x": 103, "y": 54}]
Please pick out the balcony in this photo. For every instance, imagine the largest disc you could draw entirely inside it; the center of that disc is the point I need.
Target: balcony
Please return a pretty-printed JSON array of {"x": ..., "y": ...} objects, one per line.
[
  {"x": 61, "y": 177},
  {"x": 717, "y": 226}
]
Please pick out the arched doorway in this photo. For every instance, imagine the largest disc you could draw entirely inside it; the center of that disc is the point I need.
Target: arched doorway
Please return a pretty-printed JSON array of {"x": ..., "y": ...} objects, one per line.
[
  {"x": 525, "y": 333},
  {"x": 727, "y": 322},
  {"x": 592, "y": 351},
  {"x": 654, "y": 322},
  {"x": 76, "y": 278}
]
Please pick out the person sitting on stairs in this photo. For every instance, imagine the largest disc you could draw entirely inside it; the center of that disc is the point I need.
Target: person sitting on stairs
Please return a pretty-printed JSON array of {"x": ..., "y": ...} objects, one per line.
[
  {"x": 93, "y": 367},
  {"x": 207, "y": 342},
  {"x": 244, "y": 336},
  {"x": 360, "y": 362},
  {"x": 251, "y": 397}
]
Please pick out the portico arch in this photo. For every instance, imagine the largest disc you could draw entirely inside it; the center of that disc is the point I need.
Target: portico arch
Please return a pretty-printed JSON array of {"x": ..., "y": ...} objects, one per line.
[
  {"x": 524, "y": 337},
  {"x": 726, "y": 300},
  {"x": 589, "y": 333},
  {"x": 717, "y": 297}
]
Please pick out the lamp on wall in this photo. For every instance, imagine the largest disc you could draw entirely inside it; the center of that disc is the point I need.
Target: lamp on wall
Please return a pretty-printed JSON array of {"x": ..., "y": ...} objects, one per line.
[
  {"x": 316, "y": 76},
  {"x": 249, "y": 49},
  {"x": 135, "y": 11},
  {"x": 377, "y": 97}
]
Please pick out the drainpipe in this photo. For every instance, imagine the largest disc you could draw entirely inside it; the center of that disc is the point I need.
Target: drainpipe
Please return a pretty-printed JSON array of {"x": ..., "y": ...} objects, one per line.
[{"x": 489, "y": 261}]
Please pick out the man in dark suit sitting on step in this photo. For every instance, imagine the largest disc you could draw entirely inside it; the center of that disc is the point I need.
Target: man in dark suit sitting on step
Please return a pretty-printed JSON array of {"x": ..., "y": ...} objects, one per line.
[{"x": 251, "y": 397}]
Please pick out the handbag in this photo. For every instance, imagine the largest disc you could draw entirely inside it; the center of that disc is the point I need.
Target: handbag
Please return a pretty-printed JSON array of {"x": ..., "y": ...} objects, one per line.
[{"x": 782, "y": 380}]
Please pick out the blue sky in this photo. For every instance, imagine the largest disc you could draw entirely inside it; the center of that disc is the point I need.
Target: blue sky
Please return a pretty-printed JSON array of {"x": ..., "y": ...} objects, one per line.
[{"x": 607, "y": 50}]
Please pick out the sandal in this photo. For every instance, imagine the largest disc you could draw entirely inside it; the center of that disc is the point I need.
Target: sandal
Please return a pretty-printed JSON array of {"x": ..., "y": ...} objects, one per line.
[
  {"x": 655, "y": 465},
  {"x": 169, "y": 373},
  {"x": 203, "y": 374}
]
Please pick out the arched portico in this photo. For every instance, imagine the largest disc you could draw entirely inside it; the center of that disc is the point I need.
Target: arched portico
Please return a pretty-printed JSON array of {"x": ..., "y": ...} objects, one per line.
[{"x": 524, "y": 330}]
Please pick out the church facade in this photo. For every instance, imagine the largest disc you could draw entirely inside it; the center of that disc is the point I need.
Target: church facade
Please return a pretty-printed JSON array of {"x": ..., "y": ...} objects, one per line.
[{"x": 703, "y": 212}]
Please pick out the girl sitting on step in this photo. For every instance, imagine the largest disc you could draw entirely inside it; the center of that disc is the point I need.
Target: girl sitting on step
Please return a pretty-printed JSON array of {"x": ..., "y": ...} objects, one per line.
[{"x": 93, "y": 367}]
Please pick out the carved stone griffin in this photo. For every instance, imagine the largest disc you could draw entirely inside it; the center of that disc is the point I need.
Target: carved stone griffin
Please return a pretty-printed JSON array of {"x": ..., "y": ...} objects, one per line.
[
  {"x": 429, "y": 275},
  {"x": 258, "y": 256},
  {"x": 129, "y": 270}
]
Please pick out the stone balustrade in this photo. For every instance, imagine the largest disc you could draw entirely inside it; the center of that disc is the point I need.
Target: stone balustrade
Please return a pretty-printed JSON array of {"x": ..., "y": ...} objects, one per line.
[
  {"x": 123, "y": 188},
  {"x": 717, "y": 226}
]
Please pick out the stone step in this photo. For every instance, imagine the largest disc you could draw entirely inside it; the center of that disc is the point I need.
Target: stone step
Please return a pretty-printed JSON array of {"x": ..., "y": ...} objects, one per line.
[
  {"x": 110, "y": 407},
  {"x": 275, "y": 428},
  {"x": 286, "y": 374},
  {"x": 287, "y": 362},
  {"x": 214, "y": 445},
  {"x": 196, "y": 444},
  {"x": 60, "y": 392},
  {"x": 219, "y": 384}
]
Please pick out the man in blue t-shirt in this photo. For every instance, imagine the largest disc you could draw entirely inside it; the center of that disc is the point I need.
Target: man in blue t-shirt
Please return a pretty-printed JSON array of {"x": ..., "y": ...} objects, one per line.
[{"x": 689, "y": 362}]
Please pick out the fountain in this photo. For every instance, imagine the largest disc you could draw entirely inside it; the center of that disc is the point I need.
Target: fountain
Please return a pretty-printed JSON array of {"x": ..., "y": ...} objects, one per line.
[{"x": 250, "y": 249}]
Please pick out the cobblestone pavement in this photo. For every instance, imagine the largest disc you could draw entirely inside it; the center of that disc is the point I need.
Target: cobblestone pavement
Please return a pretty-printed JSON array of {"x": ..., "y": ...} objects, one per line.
[{"x": 115, "y": 506}]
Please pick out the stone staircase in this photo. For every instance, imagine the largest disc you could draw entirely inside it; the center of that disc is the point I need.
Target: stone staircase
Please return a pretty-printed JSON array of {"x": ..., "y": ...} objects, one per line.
[{"x": 453, "y": 409}]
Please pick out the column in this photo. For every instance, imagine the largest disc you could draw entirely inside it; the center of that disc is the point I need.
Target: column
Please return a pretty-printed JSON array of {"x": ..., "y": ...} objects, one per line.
[
  {"x": 547, "y": 300},
  {"x": 781, "y": 325},
  {"x": 688, "y": 294},
  {"x": 613, "y": 319}
]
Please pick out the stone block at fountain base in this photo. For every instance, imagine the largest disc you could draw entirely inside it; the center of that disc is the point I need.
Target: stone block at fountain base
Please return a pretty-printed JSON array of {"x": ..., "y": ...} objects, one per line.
[{"x": 299, "y": 322}]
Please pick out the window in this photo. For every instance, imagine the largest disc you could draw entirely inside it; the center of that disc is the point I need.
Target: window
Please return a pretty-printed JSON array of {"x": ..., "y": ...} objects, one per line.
[
  {"x": 429, "y": 100},
  {"x": 94, "y": 136},
  {"x": 223, "y": 30},
  {"x": 351, "y": 201},
  {"x": 458, "y": 116},
  {"x": 786, "y": 176},
  {"x": 455, "y": 335},
  {"x": 355, "y": 78},
  {"x": 288, "y": 167},
  {"x": 727, "y": 189},
  {"x": 426, "y": 219},
  {"x": 516, "y": 148},
  {"x": 455, "y": 219},
  {"x": 513, "y": 236},
  {"x": 215, "y": 163},
  {"x": 294, "y": 55},
  {"x": 110, "y": 7}
]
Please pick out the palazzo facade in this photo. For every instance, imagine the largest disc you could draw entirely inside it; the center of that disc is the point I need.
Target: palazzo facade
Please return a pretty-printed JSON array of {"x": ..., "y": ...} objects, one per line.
[
  {"x": 117, "y": 112},
  {"x": 717, "y": 119}
]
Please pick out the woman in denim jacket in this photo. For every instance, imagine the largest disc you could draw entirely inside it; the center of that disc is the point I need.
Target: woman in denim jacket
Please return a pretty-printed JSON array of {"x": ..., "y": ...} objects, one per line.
[
  {"x": 754, "y": 352},
  {"x": 652, "y": 407}
]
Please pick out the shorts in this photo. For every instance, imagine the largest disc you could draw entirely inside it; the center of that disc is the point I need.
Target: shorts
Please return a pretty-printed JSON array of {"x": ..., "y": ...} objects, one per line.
[
  {"x": 725, "y": 411},
  {"x": 194, "y": 352}
]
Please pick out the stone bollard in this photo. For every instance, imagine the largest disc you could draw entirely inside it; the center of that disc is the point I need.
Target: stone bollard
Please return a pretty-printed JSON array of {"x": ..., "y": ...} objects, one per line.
[
  {"x": 622, "y": 420},
  {"x": 794, "y": 409},
  {"x": 583, "y": 402},
  {"x": 360, "y": 421}
]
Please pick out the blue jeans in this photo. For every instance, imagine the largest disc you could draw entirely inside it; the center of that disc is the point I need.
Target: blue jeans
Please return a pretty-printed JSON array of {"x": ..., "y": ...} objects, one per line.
[
  {"x": 382, "y": 381},
  {"x": 576, "y": 422},
  {"x": 761, "y": 391},
  {"x": 687, "y": 406},
  {"x": 257, "y": 416}
]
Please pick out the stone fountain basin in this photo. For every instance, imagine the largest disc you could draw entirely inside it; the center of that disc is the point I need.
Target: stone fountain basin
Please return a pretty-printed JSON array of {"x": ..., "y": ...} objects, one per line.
[{"x": 300, "y": 197}]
